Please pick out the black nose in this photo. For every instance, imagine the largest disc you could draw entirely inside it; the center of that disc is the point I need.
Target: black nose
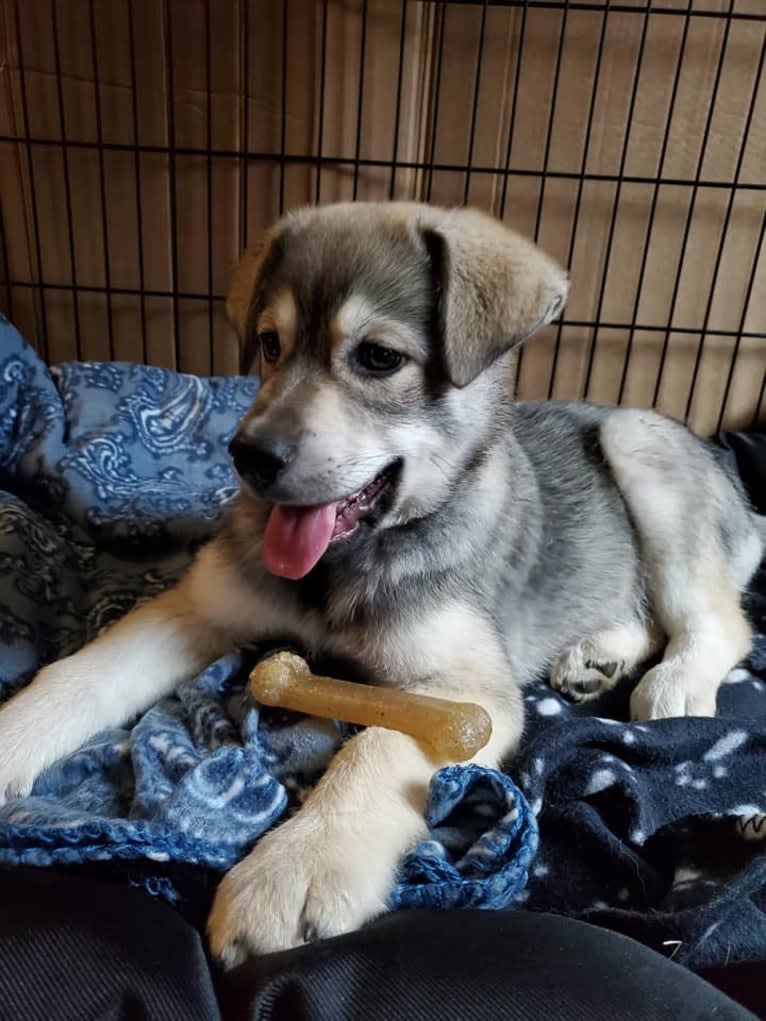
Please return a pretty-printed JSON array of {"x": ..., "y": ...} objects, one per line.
[{"x": 260, "y": 461}]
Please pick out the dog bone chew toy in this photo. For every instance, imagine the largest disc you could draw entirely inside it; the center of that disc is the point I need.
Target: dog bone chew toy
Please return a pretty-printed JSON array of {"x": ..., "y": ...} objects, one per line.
[{"x": 454, "y": 731}]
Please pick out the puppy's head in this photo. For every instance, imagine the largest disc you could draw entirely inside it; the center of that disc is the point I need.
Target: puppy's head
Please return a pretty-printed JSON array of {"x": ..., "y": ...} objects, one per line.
[{"x": 381, "y": 333}]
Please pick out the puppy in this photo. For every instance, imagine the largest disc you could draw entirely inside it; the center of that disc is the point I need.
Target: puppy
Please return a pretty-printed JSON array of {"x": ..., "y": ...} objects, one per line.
[{"x": 400, "y": 512}]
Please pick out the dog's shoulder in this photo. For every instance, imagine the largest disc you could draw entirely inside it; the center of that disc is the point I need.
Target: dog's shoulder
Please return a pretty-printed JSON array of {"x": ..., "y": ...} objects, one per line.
[{"x": 561, "y": 441}]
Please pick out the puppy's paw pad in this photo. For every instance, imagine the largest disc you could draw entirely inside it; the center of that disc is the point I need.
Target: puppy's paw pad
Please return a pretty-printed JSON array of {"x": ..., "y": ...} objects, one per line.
[
  {"x": 606, "y": 669},
  {"x": 580, "y": 674}
]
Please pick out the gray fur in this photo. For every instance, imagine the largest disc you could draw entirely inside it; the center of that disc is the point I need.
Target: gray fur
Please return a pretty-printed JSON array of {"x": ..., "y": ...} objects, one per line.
[
  {"x": 559, "y": 557},
  {"x": 561, "y": 547}
]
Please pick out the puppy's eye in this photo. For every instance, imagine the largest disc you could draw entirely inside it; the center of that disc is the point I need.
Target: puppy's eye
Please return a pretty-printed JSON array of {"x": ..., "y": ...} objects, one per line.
[
  {"x": 269, "y": 341},
  {"x": 378, "y": 359}
]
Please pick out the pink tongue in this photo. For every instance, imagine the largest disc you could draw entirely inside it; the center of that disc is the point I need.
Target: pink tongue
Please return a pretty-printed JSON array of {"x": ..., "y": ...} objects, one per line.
[{"x": 296, "y": 538}]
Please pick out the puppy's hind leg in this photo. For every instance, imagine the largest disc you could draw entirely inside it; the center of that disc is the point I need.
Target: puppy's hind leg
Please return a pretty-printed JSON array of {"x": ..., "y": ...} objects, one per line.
[
  {"x": 709, "y": 635},
  {"x": 661, "y": 470}
]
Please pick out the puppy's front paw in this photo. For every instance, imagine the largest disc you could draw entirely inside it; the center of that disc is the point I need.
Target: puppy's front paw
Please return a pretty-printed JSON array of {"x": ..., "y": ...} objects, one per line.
[
  {"x": 669, "y": 690},
  {"x": 22, "y": 746},
  {"x": 584, "y": 672},
  {"x": 15, "y": 783},
  {"x": 43, "y": 722},
  {"x": 304, "y": 881}
]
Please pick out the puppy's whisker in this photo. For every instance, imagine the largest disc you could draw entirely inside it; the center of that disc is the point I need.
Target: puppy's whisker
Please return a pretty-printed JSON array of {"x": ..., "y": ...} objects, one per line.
[
  {"x": 373, "y": 460},
  {"x": 436, "y": 462}
]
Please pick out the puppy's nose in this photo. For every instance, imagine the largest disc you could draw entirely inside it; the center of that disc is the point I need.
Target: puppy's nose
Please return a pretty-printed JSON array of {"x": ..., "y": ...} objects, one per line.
[{"x": 260, "y": 461}]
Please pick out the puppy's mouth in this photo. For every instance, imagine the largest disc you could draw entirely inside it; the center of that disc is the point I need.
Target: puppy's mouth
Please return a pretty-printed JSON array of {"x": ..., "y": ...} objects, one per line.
[{"x": 296, "y": 538}]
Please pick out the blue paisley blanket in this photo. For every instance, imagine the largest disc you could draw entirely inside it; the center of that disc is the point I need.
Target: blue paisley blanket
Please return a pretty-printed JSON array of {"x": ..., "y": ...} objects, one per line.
[{"x": 111, "y": 476}]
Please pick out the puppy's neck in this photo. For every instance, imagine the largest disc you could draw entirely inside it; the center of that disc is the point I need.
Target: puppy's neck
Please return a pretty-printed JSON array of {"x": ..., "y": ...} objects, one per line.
[
  {"x": 409, "y": 566},
  {"x": 406, "y": 567}
]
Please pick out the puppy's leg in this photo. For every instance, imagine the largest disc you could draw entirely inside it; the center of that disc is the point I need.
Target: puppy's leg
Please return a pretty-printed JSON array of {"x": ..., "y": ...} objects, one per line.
[
  {"x": 596, "y": 664},
  {"x": 134, "y": 663},
  {"x": 331, "y": 868},
  {"x": 694, "y": 593},
  {"x": 709, "y": 635}
]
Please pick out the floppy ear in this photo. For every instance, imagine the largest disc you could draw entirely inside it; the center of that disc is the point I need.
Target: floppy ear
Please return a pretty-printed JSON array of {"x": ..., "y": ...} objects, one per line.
[
  {"x": 245, "y": 282},
  {"x": 495, "y": 288}
]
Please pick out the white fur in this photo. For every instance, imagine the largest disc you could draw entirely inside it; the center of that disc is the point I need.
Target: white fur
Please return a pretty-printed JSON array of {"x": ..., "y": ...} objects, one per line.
[
  {"x": 359, "y": 319},
  {"x": 137, "y": 661},
  {"x": 696, "y": 603},
  {"x": 331, "y": 868},
  {"x": 281, "y": 315},
  {"x": 746, "y": 559},
  {"x": 343, "y": 450},
  {"x": 626, "y": 645}
]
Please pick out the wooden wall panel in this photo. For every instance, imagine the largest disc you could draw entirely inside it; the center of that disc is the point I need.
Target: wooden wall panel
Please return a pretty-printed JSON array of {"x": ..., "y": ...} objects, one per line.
[{"x": 144, "y": 143}]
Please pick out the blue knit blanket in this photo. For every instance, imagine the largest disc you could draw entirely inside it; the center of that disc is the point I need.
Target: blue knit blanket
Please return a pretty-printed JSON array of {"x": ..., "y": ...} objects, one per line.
[{"x": 111, "y": 475}]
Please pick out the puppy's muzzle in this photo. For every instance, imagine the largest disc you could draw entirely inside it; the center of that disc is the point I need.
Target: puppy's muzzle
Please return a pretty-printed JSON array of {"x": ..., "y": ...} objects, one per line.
[{"x": 260, "y": 462}]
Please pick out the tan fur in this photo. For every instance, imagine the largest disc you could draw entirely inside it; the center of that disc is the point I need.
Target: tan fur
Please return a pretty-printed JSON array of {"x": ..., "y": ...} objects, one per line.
[
  {"x": 501, "y": 288},
  {"x": 280, "y": 315},
  {"x": 696, "y": 601},
  {"x": 357, "y": 319},
  {"x": 367, "y": 809},
  {"x": 244, "y": 282},
  {"x": 353, "y": 318}
]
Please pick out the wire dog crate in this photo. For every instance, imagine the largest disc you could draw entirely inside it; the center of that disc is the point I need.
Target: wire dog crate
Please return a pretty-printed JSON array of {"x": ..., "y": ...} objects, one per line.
[{"x": 146, "y": 142}]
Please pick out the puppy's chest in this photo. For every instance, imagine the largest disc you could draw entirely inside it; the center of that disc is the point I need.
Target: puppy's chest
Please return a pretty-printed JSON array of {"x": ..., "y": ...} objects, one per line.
[
  {"x": 387, "y": 657},
  {"x": 403, "y": 638},
  {"x": 399, "y": 649}
]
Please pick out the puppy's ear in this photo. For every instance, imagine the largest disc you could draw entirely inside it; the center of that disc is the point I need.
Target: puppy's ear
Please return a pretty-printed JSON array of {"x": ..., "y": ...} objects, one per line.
[
  {"x": 494, "y": 289},
  {"x": 245, "y": 282}
]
